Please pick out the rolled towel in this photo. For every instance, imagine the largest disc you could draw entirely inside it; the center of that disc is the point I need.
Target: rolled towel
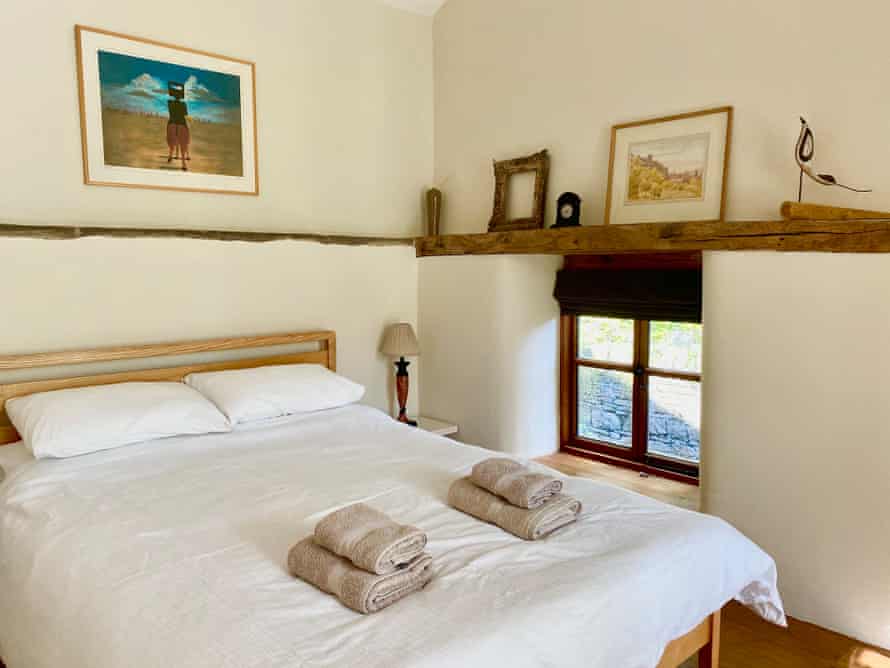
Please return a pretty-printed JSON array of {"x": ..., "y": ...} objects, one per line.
[
  {"x": 358, "y": 589},
  {"x": 528, "y": 524},
  {"x": 369, "y": 538},
  {"x": 515, "y": 482}
]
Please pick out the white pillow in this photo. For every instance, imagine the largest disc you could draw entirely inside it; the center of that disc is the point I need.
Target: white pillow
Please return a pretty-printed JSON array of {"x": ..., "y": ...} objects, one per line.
[
  {"x": 77, "y": 421},
  {"x": 266, "y": 392}
]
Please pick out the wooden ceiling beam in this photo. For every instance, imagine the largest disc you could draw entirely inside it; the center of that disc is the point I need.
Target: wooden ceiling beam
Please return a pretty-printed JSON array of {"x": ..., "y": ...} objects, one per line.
[{"x": 66, "y": 233}]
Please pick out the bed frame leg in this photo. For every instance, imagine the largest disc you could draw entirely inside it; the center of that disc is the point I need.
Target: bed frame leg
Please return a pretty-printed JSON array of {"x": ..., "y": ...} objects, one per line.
[{"x": 709, "y": 655}]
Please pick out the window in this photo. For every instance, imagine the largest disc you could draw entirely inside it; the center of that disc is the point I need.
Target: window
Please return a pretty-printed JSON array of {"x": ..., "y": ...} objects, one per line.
[{"x": 631, "y": 389}]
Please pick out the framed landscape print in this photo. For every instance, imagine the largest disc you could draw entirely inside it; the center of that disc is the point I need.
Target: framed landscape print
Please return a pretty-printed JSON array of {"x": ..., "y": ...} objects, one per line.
[
  {"x": 155, "y": 115},
  {"x": 670, "y": 169}
]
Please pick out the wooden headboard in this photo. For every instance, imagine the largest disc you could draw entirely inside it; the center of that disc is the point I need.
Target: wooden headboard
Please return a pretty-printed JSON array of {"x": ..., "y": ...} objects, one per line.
[{"x": 326, "y": 355}]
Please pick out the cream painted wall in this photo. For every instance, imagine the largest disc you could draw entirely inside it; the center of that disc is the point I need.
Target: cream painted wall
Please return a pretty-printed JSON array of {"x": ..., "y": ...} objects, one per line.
[
  {"x": 345, "y": 146},
  {"x": 64, "y": 295},
  {"x": 514, "y": 76},
  {"x": 345, "y": 118},
  {"x": 488, "y": 337},
  {"x": 797, "y": 442}
]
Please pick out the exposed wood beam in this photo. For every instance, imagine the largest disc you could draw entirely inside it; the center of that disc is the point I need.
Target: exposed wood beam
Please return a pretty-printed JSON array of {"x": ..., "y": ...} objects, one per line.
[
  {"x": 792, "y": 235},
  {"x": 807, "y": 211},
  {"x": 62, "y": 232}
]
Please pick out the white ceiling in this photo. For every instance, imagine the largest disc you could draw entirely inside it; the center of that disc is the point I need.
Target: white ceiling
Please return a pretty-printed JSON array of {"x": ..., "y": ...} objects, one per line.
[{"x": 427, "y": 7}]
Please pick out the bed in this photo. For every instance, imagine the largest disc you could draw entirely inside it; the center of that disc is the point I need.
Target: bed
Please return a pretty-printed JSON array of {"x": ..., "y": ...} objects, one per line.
[{"x": 172, "y": 552}]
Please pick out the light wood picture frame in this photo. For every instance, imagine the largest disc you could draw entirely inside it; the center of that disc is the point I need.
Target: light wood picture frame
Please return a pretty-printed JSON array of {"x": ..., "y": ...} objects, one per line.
[
  {"x": 670, "y": 169},
  {"x": 537, "y": 163},
  {"x": 160, "y": 116}
]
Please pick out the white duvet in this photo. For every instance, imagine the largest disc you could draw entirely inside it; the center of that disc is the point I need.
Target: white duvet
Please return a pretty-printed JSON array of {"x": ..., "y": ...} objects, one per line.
[{"x": 172, "y": 554}]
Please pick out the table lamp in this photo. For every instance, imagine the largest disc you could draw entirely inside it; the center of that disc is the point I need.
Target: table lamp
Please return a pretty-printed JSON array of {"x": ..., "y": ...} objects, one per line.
[{"x": 400, "y": 341}]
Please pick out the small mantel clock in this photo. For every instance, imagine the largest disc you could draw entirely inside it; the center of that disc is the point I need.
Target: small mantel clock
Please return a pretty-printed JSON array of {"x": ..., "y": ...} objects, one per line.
[{"x": 568, "y": 210}]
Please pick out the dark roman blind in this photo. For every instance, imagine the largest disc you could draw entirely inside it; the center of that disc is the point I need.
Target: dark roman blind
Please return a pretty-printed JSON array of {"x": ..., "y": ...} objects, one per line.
[{"x": 639, "y": 294}]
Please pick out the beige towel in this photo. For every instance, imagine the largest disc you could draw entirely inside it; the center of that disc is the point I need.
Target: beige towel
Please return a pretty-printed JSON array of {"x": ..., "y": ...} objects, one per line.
[
  {"x": 369, "y": 538},
  {"x": 527, "y": 524},
  {"x": 357, "y": 589},
  {"x": 515, "y": 482}
]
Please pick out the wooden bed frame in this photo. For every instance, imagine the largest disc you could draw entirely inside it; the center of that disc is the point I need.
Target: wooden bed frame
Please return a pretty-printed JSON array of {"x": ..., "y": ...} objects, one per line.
[
  {"x": 703, "y": 640},
  {"x": 325, "y": 355}
]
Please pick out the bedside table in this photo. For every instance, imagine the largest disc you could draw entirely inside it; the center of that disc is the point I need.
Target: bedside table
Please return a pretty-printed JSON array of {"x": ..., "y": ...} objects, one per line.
[{"x": 436, "y": 426}]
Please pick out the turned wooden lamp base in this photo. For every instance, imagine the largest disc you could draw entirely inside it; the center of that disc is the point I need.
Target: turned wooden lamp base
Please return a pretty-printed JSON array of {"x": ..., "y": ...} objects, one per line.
[
  {"x": 402, "y": 390},
  {"x": 400, "y": 341}
]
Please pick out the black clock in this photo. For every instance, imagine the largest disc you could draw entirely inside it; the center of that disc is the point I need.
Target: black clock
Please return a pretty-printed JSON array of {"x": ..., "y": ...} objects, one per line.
[{"x": 568, "y": 210}]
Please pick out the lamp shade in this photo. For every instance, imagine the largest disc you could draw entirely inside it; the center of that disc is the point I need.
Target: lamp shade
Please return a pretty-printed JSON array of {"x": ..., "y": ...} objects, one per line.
[{"x": 400, "y": 341}]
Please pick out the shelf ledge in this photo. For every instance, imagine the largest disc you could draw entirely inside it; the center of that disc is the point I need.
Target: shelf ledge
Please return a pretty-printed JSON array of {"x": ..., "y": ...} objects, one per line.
[{"x": 819, "y": 236}]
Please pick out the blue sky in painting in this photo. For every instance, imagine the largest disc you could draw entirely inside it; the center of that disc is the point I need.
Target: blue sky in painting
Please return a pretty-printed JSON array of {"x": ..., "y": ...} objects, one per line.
[{"x": 140, "y": 85}]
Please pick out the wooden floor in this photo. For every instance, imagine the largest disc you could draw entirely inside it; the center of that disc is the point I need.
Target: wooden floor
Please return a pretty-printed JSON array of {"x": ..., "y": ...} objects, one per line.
[{"x": 746, "y": 640}]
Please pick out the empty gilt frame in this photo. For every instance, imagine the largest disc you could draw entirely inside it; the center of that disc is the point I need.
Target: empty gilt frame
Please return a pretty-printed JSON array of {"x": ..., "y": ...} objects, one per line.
[{"x": 539, "y": 163}]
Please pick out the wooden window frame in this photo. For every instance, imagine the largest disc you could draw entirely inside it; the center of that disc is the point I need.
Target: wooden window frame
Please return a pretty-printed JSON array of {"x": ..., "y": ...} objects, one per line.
[{"x": 636, "y": 457}]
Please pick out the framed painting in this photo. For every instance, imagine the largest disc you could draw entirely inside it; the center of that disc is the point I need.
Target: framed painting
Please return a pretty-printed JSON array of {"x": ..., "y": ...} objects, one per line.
[
  {"x": 155, "y": 115},
  {"x": 670, "y": 169}
]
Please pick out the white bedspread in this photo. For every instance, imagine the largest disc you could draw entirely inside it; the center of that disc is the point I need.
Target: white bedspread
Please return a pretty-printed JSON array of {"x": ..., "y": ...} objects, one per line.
[{"x": 172, "y": 554}]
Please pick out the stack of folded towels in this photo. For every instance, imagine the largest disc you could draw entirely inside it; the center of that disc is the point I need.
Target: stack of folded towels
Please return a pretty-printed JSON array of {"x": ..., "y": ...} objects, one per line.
[
  {"x": 506, "y": 493},
  {"x": 362, "y": 557}
]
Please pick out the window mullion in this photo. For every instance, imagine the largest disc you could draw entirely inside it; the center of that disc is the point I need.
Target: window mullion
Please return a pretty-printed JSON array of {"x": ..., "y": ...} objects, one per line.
[
  {"x": 680, "y": 375},
  {"x": 643, "y": 344},
  {"x": 610, "y": 366},
  {"x": 640, "y": 413}
]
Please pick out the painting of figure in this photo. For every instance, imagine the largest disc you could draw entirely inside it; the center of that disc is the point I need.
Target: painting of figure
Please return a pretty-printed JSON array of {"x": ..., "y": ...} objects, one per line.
[
  {"x": 149, "y": 106},
  {"x": 155, "y": 115},
  {"x": 178, "y": 135}
]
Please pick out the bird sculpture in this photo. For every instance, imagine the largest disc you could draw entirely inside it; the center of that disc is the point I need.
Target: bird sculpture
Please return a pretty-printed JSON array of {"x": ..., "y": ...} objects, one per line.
[{"x": 803, "y": 154}]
